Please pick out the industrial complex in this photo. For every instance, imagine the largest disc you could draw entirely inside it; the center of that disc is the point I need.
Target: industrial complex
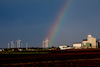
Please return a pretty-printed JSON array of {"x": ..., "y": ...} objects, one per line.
[{"x": 90, "y": 42}]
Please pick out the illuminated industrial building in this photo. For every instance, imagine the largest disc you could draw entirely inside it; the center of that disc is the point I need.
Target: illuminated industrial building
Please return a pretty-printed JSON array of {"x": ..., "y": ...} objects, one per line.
[
  {"x": 90, "y": 41},
  {"x": 77, "y": 45}
]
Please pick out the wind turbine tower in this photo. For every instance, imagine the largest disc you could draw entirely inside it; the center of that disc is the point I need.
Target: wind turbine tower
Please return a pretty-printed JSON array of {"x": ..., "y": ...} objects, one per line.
[
  {"x": 8, "y": 45},
  {"x": 18, "y": 43},
  {"x": 12, "y": 44},
  {"x": 46, "y": 43},
  {"x": 27, "y": 46}
]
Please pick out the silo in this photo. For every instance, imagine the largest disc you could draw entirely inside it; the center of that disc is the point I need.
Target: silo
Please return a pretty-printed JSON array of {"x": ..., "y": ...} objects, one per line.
[{"x": 98, "y": 43}]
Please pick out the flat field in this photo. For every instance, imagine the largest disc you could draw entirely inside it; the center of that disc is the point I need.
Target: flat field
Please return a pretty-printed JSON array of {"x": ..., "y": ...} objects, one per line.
[{"x": 51, "y": 58}]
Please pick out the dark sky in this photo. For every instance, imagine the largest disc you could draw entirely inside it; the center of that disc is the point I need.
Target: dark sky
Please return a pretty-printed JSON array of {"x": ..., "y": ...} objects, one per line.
[{"x": 30, "y": 21}]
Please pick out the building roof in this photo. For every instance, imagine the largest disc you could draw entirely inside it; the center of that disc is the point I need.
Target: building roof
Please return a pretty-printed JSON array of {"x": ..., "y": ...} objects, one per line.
[
  {"x": 84, "y": 39},
  {"x": 98, "y": 40}
]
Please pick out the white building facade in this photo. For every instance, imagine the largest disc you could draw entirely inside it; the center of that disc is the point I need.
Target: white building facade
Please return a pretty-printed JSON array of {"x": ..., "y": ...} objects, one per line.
[
  {"x": 63, "y": 47},
  {"x": 77, "y": 45}
]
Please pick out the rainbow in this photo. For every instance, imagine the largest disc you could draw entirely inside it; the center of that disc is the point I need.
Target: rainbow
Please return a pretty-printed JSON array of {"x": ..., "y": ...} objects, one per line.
[{"x": 54, "y": 29}]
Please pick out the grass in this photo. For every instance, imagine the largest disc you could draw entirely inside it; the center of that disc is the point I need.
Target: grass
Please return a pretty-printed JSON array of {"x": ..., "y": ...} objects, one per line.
[{"x": 11, "y": 52}]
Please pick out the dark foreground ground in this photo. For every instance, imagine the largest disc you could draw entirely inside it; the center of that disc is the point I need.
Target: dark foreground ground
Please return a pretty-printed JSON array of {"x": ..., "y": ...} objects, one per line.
[{"x": 54, "y": 58}]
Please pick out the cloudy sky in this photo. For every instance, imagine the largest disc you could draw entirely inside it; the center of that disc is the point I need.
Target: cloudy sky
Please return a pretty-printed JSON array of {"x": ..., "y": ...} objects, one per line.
[{"x": 30, "y": 21}]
